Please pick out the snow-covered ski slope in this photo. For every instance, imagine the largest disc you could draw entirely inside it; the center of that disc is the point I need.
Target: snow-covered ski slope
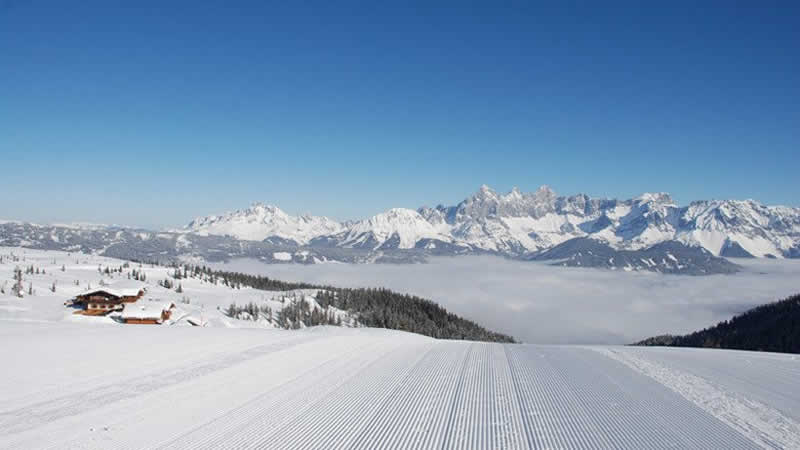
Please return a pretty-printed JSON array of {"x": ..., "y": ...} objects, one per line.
[
  {"x": 72, "y": 381},
  {"x": 73, "y": 385}
]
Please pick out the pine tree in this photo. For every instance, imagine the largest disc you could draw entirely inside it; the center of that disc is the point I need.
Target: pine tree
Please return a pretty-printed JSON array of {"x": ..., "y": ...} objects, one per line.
[
  {"x": 17, "y": 289},
  {"x": 231, "y": 311}
]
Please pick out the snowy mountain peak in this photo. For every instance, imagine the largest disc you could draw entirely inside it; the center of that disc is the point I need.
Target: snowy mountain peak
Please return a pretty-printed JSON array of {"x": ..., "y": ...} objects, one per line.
[
  {"x": 514, "y": 195},
  {"x": 267, "y": 207},
  {"x": 661, "y": 198},
  {"x": 485, "y": 193},
  {"x": 545, "y": 190},
  {"x": 399, "y": 212},
  {"x": 264, "y": 206},
  {"x": 261, "y": 221},
  {"x": 393, "y": 218},
  {"x": 395, "y": 228}
]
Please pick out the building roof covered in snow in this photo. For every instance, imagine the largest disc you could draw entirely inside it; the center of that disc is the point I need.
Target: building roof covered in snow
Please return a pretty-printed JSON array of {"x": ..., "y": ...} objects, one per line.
[
  {"x": 122, "y": 288},
  {"x": 146, "y": 310}
]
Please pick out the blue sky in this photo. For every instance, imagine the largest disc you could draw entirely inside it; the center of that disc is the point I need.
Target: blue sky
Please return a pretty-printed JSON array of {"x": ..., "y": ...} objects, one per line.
[{"x": 150, "y": 115}]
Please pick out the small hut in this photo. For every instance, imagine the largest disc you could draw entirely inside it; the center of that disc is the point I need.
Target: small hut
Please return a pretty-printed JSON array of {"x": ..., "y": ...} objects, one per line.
[{"x": 147, "y": 313}]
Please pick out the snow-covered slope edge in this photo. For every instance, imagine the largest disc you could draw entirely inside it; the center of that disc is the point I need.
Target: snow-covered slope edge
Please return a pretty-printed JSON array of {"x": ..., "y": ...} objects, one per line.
[{"x": 762, "y": 424}]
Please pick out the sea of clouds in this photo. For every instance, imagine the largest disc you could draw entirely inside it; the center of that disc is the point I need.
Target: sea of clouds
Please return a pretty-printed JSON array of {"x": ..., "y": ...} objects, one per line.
[{"x": 538, "y": 303}]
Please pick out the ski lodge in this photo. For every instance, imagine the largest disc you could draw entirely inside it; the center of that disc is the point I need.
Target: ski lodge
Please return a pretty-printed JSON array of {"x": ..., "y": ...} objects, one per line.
[{"x": 103, "y": 300}]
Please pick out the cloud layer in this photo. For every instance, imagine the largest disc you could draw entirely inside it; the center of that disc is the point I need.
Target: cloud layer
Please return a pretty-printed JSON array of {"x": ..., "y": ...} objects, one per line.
[{"x": 538, "y": 303}]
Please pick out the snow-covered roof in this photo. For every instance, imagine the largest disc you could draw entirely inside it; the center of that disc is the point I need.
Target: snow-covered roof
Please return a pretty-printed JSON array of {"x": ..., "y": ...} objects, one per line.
[
  {"x": 146, "y": 310},
  {"x": 122, "y": 288}
]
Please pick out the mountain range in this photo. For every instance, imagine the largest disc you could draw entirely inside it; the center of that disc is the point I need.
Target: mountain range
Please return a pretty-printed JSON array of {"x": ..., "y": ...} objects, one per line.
[
  {"x": 523, "y": 224},
  {"x": 650, "y": 232}
]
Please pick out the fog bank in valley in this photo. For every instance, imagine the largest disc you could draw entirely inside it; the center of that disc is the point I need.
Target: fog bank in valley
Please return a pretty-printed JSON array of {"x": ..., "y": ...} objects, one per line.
[{"x": 538, "y": 303}]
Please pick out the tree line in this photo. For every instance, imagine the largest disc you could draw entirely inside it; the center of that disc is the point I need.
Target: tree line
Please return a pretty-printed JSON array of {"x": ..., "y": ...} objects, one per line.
[
  {"x": 774, "y": 327},
  {"x": 379, "y": 308}
]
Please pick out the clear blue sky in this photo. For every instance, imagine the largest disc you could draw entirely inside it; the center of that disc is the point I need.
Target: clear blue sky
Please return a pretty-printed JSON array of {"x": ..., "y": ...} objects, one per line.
[{"x": 150, "y": 114}]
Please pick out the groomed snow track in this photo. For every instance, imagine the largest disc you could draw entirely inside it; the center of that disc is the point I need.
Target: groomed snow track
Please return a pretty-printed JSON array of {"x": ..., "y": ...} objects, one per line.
[{"x": 369, "y": 389}]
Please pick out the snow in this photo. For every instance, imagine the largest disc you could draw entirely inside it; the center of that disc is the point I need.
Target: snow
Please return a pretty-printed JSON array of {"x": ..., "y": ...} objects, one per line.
[
  {"x": 650, "y": 237},
  {"x": 764, "y": 424},
  {"x": 760, "y": 230},
  {"x": 326, "y": 387},
  {"x": 200, "y": 301},
  {"x": 82, "y": 225},
  {"x": 282, "y": 256},
  {"x": 549, "y": 230},
  {"x": 262, "y": 221},
  {"x": 71, "y": 381},
  {"x": 121, "y": 288},
  {"x": 407, "y": 224},
  {"x": 662, "y": 198},
  {"x": 145, "y": 310}
]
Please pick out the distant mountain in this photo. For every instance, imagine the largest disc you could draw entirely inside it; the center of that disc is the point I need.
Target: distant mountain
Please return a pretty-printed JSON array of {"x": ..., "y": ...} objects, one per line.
[
  {"x": 629, "y": 234},
  {"x": 665, "y": 257},
  {"x": 523, "y": 224},
  {"x": 260, "y": 222},
  {"x": 398, "y": 228},
  {"x": 650, "y": 232},
  {"x": 774, "y": 327}
]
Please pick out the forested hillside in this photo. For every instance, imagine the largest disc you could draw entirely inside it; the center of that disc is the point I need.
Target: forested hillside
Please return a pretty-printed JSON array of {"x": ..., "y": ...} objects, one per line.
[
  {"x": 380, "y": 308},
  {"x": 774, "y": 327}
]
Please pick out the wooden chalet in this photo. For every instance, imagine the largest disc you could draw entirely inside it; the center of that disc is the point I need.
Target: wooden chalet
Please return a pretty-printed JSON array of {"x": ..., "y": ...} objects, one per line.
[
  {"x": 109, "y": 298},
  {"x": 147, "y": 313}
]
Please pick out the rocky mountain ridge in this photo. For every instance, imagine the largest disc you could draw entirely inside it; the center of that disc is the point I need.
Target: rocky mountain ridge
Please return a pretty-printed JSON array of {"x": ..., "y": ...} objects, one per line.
[
  {"x": 522, "y": 224},
  {"x": 647, "y": 233}
]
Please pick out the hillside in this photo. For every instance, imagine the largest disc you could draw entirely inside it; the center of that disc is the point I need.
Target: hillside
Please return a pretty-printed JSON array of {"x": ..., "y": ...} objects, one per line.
[
  {"x": 36, "y": 284},
  {"x": 774, "y": 327},
  {"x": 377, "y": 308}
]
